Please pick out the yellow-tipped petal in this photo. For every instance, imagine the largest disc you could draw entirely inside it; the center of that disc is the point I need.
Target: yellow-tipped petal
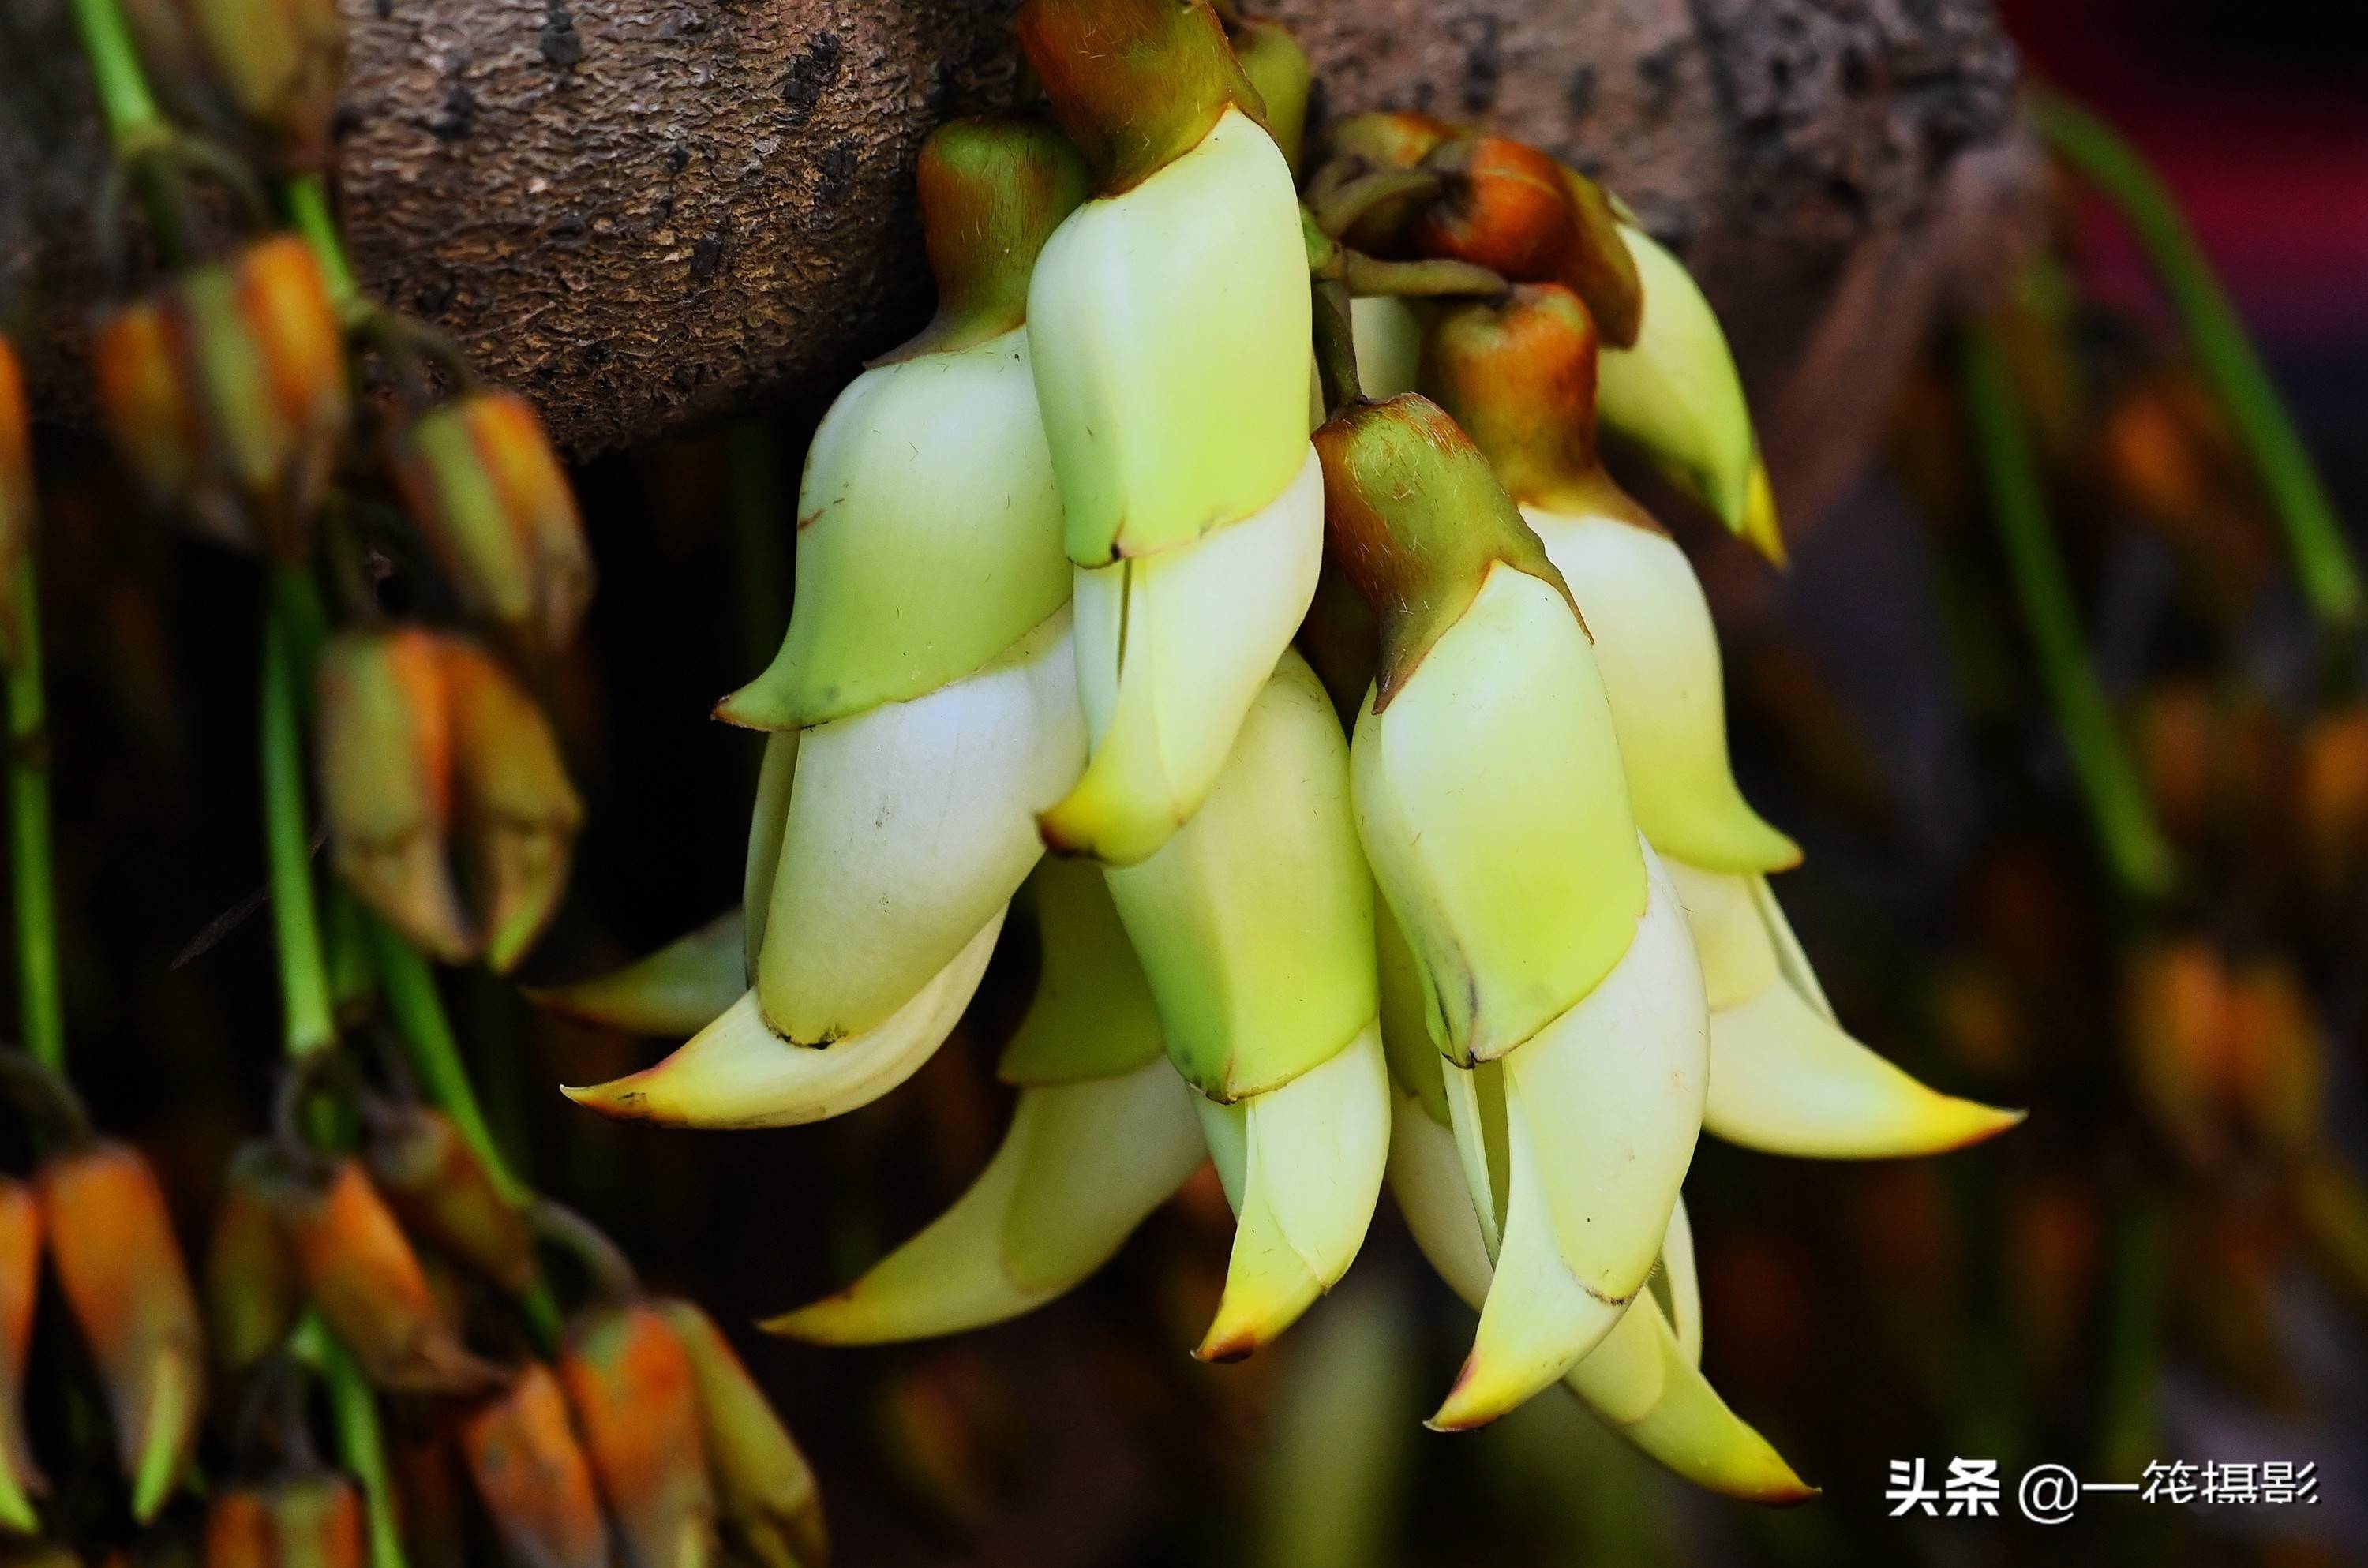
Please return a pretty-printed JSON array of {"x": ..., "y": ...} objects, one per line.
[
  {"x": 1642, "y": 1383},
  {"x": 1676, "y": 394},
  {"x": 1784, "y": 1078},
  {"x": 1313, "y": 1156},
  {"x": 739, "y": 1071},
  {"x": 674, "y": 990},
  {"x": 1602, "y": 1109},
  {"x": 907, "y": 826},
  {"x": 1083, "y": 1164},
  {"x": 1172, "y": 649},
  {"x": 1658, "y": 650},
  {"x": 1760, "y": 527}
]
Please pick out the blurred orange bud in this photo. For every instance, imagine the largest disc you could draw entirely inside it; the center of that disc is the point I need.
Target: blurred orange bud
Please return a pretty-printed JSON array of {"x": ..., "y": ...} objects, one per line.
[
  {"x": 386, "y": 781},
  {"x": 2332, "y": 803},
  {"x": 533, "y": 1475},
  {"x": 122, "y": 1274},
  {"x": 317, "y": 1522},
  {"x": 764, "y": 1487},
  {"x": 2216, "y": 762},
  {"x": 252, "y": 1292},
  {"x": 262, "y": 74},
  {"x": 238, "y": 1529},
  {"x": 636, "y": 1401},
  {"x": 519, "y": 814},
  {"x": 225, "y": 389},
  {"x": 2277, "y": 1058},
  {"x": 481, "y": 480},
  {"x": 16, "y": 495},
  {"x": 2177, "y": 1021},
  {"x": 1515, "y": 210},
  {"x": 20, "y": 1280},
  {"x": 444, "y": 1194},
  {"x": 361, "y": 1272}
]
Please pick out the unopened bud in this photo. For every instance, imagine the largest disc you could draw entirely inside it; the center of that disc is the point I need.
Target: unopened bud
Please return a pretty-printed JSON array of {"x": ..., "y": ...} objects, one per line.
[
  {"x": 1136, "y": 84},
  {"x": 20, "y": 1280},
  {"x": 479, "y": 477},
  {"x": 2332, "y": 807},
  {"x": 533, "y": 1475},
  {"x": 636, "y": 1401},
  {"x": 363, "y": 1276},
  {"x": 518, "y": 812},
  {"x": 225, "y": 389},
  {"x": 386, "y": 779},
  {"x": 238, "y": 1529},
  {"x": 262, "y": 74},
  {"x": 2277, "y": 1060},
  {"x": 122, "y": 1274},
  {"x": 306, "y": 1521},
  {"x": 438, "y": 1188},
  {"x": 1518, "y": 375},
  {"x": 764, "y": 1487},
  {"x": 253, "y": 1295},
  {"x": 1515, "y": 210}
]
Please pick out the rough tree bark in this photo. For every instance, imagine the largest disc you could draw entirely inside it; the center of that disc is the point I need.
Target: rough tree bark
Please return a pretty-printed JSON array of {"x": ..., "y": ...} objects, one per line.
[{"x": 650, "y": 212}]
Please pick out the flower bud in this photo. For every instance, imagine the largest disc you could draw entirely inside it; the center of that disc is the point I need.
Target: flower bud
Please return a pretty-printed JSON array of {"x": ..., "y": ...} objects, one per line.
[
  {"x": 518, "y": 812},
  {"x": 480, "y": 478},
  {"x": 262, "y": 74},
  {"x": 15, "y": 497},
  {"x": 20, "y": 1280},
  {"x": 1518, "y": 375},
  {"x": 386, "y": 776},
  {"x": 122, "y": 1274},
  {"x": 1514, "y": 210},
  {"x": 437, "y": 1185},
  {"x": 1134, "y": 82},
  {"x": 764, "y": 1487},
  {"x": 317, "y": 1522},
  {"x": 225, "y": 389},
  {"x": 2277, "y": 1066},
  {"x": 363, "y": 1276},
  {"x": 252, "y": 1292},
  {"x": 2332, "y": 808},
  {"x": 531, "y": 1473},
  {"x": 636, "y": 1401},
  {"x": 238, "y": 1529}
]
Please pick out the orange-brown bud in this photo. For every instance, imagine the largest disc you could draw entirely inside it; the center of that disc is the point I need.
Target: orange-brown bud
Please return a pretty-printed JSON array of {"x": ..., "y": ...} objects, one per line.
[
  {"x": 533, "y": 1475},
  {"x": 262, "y": 74},
  {"x": 2331, "y": 807},
  {"x": 317, "y": 1522},
  {"x": 386, "y": 781},
  {"x": 764, "y": 1487},
  {"x": 2176, "y": 1011},
  {"x": 15, "y": 497},
  {"x": 1136, "y": 84},
  {"x": 438, "y": 1188},
  {"x": 518, "y": 812},
  {"x": 636, "y": 1401},
  {"x": 20, "y": 1280},
  {"x": 1515, "y": 210},
  {"x": 992, "y": 189},
  {"x": 362, "y": 1272},
  {"x": 122, "y": 1274},
  {"x": 479, "y": 477},
  {"x": 253, "y": 1294},
  {"x": 225, "y": 389},
  {"x": 238, "y": 1529},
  {"x": 2277, "y": 1064}
]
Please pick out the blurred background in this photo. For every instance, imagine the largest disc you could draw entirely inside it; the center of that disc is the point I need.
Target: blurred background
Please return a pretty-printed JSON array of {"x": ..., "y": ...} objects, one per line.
[{"x": 2168, "y": 1261}]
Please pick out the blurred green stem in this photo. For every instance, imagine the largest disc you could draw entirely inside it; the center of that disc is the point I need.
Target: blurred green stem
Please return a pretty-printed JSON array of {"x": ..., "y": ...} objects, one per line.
[
  {"x": 2133, "y": 844},
  {"x": 361, "y": 1443},
  {"x": 411, "y": 996},
  {"x": 289, "y": 645},
  {"x": 2132, "y": 1347},
  {"x": 2322, "y": 556},
  {"x": 306, "y": 199},
  {"x": 134, "y": 122},
  {"x": 40, "y": 999}
]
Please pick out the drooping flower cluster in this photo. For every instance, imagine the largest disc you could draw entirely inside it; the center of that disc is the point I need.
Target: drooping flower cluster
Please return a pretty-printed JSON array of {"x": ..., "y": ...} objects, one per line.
[{"x": 1053, "y": 556}]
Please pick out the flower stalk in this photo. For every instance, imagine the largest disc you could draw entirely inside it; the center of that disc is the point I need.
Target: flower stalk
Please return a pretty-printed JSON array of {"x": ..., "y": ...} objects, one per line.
[{"x": 40, "y": 997}]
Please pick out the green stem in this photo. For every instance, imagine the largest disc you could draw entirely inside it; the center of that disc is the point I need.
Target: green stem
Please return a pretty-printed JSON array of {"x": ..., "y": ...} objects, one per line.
[
  {"x": 2134, "y": 846},
  {"x": 134, "y": 122},
  {"x": 288, "y": 645},
  {"x": 306, "y": 198},
  {"x": 2322, "y": 556},
  {"x": 39, "y": 997},
  {"x": 361, "y": 1444},
  {"x": 2132, "y": 1347},
  {"x": 418, "y": 1009}
]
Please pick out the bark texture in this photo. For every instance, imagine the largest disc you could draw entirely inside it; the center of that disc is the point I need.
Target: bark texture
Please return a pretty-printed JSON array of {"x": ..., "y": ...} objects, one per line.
[{"x": 650, "y": 212}]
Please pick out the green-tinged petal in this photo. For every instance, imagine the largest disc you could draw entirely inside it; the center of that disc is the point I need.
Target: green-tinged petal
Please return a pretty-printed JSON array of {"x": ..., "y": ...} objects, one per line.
[
  {"x": 1681, "y": 1279},
  {"x": 672, "y": 991},
  {"x": 1172, "y": 650},
  {"x": 1313, "y": 1153},
  {"x": 1491, "y": 803},
  {"x": 1405, "y": 1037},
  {"x": 908, "y": 826},
  {"x": 767, "y": 817},
  {"x": 1784, "y": 1079},
  {"x": 1092, "y": 1016},
  {"x": 1677, "y": 397},
  {"x": 1083, "y": 1164},
  {"x": 1658, "y": 653},
  {"x": 1255, "y": 923},
  {"x": 740, "y": 1071},
  {"x": 929, "y": 538},
  {"x": 1602, "y": 1112},
  {"x": 1169, "y": 330},
  {"x": 1389, "y": 344}
]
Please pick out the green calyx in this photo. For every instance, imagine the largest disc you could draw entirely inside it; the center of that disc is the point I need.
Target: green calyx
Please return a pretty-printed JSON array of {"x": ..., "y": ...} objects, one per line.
[
  {"x": 992, "y": 190},
  {"x": 1415, "y": 518},
  {"x": 1136, "y": 84}
]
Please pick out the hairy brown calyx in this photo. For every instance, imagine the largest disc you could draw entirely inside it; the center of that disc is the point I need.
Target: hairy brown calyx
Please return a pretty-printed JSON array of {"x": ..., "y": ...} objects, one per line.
[
  {"x": 1136, "y": 84},
  {"x": 1414, "y": 520},
  {"x": 992, "y": 189}
]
